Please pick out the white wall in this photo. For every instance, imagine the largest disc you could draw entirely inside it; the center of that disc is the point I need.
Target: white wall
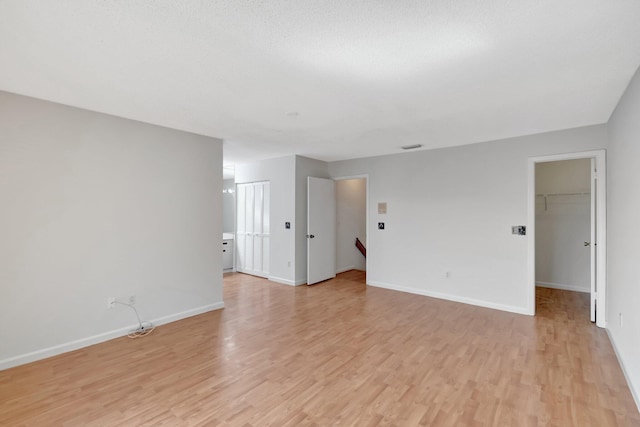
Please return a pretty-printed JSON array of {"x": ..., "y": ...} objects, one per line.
[
  {"x": 95, "y": 206},
  {"x": 281, "y": 173},
  {"x": 451, "y": 210},
  {"x": 563, "y": 224},
  {"x": 351, "y": 220},
  {"x": 624, "y": 234},
  {"x": 305, "y": 167}
]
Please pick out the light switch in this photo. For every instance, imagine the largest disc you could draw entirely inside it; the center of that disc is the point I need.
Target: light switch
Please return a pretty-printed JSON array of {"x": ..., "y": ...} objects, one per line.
[{"x": 519, "y": 230}]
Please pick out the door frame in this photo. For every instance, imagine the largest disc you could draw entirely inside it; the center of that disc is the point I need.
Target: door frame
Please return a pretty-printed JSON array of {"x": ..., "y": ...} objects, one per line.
[
  {"x": 369, "y": 243},
  {"x": 601, "y": 228}
]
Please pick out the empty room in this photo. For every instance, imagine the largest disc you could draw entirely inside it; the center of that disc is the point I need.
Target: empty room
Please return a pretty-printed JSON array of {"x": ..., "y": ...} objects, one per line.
[{"x": 252, "y": 213}]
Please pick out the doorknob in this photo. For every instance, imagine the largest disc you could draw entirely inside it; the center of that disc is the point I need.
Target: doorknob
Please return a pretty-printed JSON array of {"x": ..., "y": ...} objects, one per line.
[
  {"x": 310, "y": 236},
  {"x": 587, "y": 243}
]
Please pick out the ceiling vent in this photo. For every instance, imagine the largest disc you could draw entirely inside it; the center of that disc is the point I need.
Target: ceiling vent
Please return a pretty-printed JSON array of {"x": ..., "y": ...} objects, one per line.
[{"x": 411, "y": 147}]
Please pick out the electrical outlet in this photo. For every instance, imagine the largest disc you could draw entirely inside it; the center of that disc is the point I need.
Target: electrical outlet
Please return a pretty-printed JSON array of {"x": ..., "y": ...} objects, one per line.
[
  {"x": 132, "y": 300},
  {"x": 111, "y": 302},
  {"x": 447, "y": 274}
]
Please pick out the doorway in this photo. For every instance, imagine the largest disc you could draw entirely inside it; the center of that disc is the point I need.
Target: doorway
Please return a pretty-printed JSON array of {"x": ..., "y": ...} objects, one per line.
[
  {"x": 563, "y": 228},
  {"x": 349, "y": 220},
  {"x": 352, "y": 223},
  {"x": 563, "y": 252}
]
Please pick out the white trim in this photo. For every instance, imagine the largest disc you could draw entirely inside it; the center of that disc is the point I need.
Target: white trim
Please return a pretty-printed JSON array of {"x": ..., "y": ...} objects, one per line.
[
  {"x": 563, "y": 287},
  {"x": 601, "y": 218},
  {"x": 449, "y": 297},
  {"x": 96, "y": 339},
  {"x": 634, "y": 392},
  {"x": 347, "y": 268},
  {"x": 287, "y": 281},
  {"x": 252, "y": 273}
]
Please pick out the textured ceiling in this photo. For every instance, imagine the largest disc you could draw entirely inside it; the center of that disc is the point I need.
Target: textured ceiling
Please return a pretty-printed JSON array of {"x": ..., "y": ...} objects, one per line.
[{"x": 329, "y": 79}]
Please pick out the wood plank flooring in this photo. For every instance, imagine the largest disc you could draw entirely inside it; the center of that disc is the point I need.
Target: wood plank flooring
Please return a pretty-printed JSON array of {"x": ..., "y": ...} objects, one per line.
[{"x": 337, "y": 353}]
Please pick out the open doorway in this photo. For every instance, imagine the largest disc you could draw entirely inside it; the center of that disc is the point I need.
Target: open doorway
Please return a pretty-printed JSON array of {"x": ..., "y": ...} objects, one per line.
[
  {"x": 567, "y": 227},
  {"x": 351, "y": 226},
  {"x": 563, "y": 232},
  {"x": 228, "y": 218}
]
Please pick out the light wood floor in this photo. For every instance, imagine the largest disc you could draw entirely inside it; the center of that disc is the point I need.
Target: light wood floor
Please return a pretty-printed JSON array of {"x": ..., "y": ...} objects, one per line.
[{"x": 337, "y": 353}]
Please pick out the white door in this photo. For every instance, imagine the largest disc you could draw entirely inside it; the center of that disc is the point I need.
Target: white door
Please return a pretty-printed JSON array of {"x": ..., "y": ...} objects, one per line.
[
  {"x": 252, "y": 228},
  {"x": 593, "y": 242},
  {"x": 321, "y": 230},
  {"x": 261, "y": 229}
]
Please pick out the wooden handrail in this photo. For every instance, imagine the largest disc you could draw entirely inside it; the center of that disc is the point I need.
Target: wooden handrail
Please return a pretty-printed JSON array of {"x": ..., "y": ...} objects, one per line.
[{"x": 361, "y": 247}]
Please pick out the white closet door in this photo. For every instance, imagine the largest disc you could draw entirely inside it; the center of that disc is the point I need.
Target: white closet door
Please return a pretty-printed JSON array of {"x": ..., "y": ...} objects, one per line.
[
  {"x": 241, "y": 228},
  {"x": 249, "y": 206},
  {"x": 265, "y": 228},
  {"x": 253, "y": 228},
  {"x": 257, "y": 227}
]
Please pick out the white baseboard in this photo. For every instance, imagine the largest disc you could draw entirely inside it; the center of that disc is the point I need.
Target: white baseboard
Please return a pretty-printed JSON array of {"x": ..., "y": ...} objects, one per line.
[
  {"x": 634, "y": 393},
  {"x": 252, "y": 273},
  {"x": 287, "y": 281},
  {"x": 562, "y": 287},
  {"x": 96, "y": 339},
  {"x": 449, "y": 297}
]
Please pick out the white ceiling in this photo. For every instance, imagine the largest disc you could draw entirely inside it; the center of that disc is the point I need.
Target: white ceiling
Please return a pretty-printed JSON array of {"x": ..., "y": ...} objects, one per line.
[{"x": 329, "y": 79}]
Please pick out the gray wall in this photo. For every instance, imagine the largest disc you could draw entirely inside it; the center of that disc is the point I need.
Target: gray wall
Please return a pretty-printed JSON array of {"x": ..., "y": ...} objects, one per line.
[
  {"x": 623, "y": 212},
  {"x": 451, "y": 210},
  {"x": 95, "y": 206}
]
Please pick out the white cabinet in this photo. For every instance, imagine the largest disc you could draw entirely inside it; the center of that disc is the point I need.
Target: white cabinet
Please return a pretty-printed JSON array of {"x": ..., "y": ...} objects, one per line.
[{"x": 252, "y": 228}]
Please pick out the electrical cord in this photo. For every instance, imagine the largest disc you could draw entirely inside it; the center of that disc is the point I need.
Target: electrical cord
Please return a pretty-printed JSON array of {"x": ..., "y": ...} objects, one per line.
[{"x": 144, "y": 328}]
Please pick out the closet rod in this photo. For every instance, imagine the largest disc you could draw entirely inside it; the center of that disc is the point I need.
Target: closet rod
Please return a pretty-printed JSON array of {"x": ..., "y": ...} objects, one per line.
[{"x": 563, "y": 194}]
